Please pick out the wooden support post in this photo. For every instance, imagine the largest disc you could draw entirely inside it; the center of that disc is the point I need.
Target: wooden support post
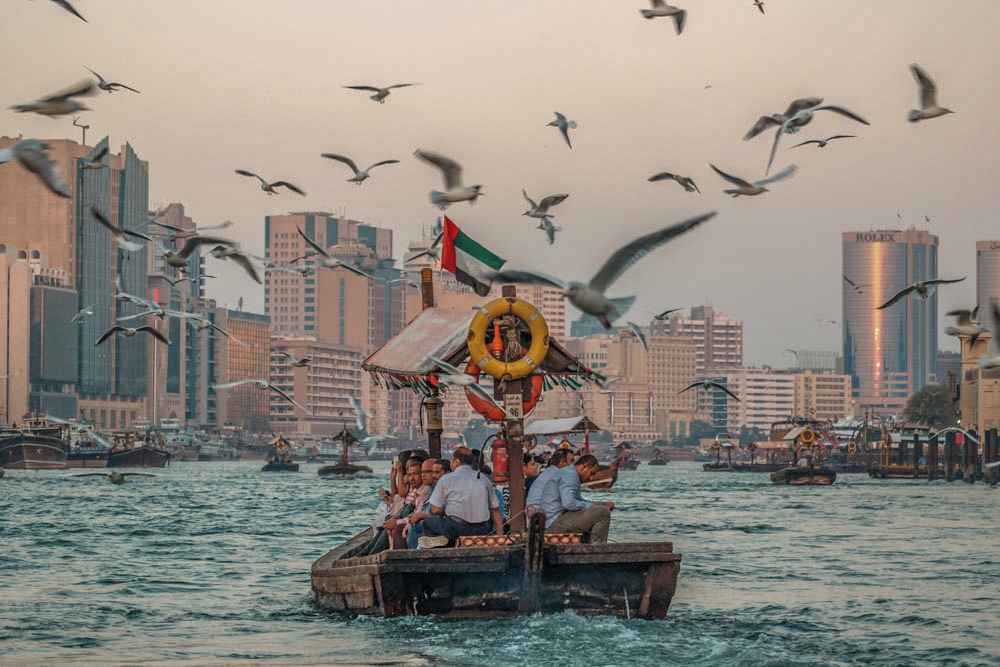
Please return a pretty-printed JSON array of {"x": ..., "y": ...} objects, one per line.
[
  {"x": 426, "y": 288},
  {"x": 992, "y": 474},
  {"x": 932, "y": 459},
  {"x": 917, "y": 453},
  {"x": 949, "y": 456},
  {"x": 970, "y": 456},
  {"x": 512, "y": 401}
]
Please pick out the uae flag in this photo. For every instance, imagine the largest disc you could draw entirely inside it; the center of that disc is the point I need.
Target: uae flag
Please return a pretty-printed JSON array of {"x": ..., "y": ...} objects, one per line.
[{"x": 472, "y": 264}]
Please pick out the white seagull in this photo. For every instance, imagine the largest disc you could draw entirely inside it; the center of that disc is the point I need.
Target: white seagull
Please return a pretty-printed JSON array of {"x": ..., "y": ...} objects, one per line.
[
  {"x": 433, "y": 250},
  {"x": 269, "y": 188},
  {"x": 181, "y": 233},
  {"x": 360, "y": 416},
  {"x": 189, "y": 278},
  {"x": 457, "y": 378},
  {"x": 119, "y": 234},
  {"x": 928, "y": 98},
  {"x": 966, "y": 325},
  {"x": 776, "y": 119},
  {"x": 295, "y": 361},
  {"x": 58, "y": 104},
  {"x": 751, "y": 189},
  {"x": 606, "y": 385},
  {"x": 821, "y": 143},
  {"x": 987, "y": 362},
  {"x": 661, "y": 8},
  {"x": 86, "y": 312},
  {"x": 128, "y": 333},
  {"x": 80, "y": 426},
  {"x": 541, "y": 209},
  {"x": 200, "y": 324},
  {"x": 635, "y": 330},
  {"x": 381, "y": 93},
  {"x": 666, "y": 313},
  {"x": 921, "y": 288},
  {"x": 360, "y": 176},
  {"x": 32, "y": 156},
  {"x": 855, "y": 286},
  {"x": 406, "y": 281},
  {"x": 96, "y": 161},
  {"x": 564, "y": 126},
  {"x": 69, "y": 8},
  {"x": 550, "y": 229},
  {"x": 759, "y": 4},
  {"x": 263, "y": 384},
  {"x": 451, "y": 172},
  {"x": 179, "y": 259},
  {"x": 326, "y": 261},
  {"x": 709, "y": 385},
  {"x": 802, "y": 118},
  {"x": 229, "y": 251},
  {"x": 109, "y": 86},
  {"x": 589, "y": 297},
  {"x": 685, "y": 182}
]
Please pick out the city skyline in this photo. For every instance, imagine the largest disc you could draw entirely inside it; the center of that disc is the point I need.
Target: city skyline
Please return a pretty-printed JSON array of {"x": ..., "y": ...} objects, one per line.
[{"x": 892, "y": 167}]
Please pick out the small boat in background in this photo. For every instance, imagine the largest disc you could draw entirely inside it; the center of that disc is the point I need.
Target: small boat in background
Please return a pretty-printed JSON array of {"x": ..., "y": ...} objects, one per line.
[
  {"x": 131, "y": 453},
  {"x": 280, "y": 459},
  {"x": 659, "y": 459},
  {"x": 84, "y": 454},
  {"x": 36, "y": 445},
  {"x": 344, "y": 469},
  {"x": 804, "y": 476},
  {"x": 275, "y": 465}
]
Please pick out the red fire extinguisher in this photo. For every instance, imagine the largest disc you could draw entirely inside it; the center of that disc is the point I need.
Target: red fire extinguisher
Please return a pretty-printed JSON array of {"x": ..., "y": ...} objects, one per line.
[{"x": 500, "y": 470}]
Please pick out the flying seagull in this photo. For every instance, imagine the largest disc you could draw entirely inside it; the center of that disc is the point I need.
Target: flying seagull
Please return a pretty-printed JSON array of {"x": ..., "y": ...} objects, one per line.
[
  {"x": 922, "y": 288},
  {"x": 109, "y": 86},
  {"x": 86, "y": 312},
  {"x": 381, "y": 93},
  {"x": 182, "y": 233},
  {"x": 606, "y": 385},
  {"x": 262, "y": 384},
  {"x": 360, "y": 416},
  {"x": 759, "y": 5},
  {"x": 549, "y": 229},
  {"x": 96, "y": 161},
  {"x": 80, "y": 426},
  {"x": 69, "y": 8},
  {"x": 269, "y": 188},
  {"x": 855, "y": 286},
  {"x": 32, "y": 156},
  {"x": 821, "y": 143},
  {"x": 295, "y": 361},
  {"x": 406, "y": 281},
  {"x": 457, "y": 378},
  {"x": 115, "y": 477},
  {"x": 661, "y": 8},
  {"x": 359, "y": 175},
  {"x": 179, "y": 259},
  {"x": 589, "y": 297},
  {"x": 433, "y": 250},
  {"x": 709, "y": 385},
  {"x": 967, "y": 325},
  {"x": 131, "y": 332},
  {"x": 776, "y": 119},
  {"x": 451, "y": 172},
  {"x": 755, "y": 188},
  {"x": 635, "y": 330},
  {"x": 928, "y": 98},
  {"x": 191, "y": 278},
  {"x": 687, "y": 183},
  {"x": 228, "y": 251},
  {"x": 119, "y": 234},
  {"x": 200, "y": 324},
  {"x": 987, "y": 362},
  {"x": 541, "y": 209},
  {"x": 802, "y": 118},
  {"x": 58, "y": 104},
  {"x": 564, "y": 126},
  {"x": 121, "y": 295},
  {"x": 326, "y": 261},
  {"x": 664, "y": 314}
]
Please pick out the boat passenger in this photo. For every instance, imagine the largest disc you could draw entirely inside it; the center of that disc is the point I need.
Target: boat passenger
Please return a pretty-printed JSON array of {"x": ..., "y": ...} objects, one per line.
[
  {"x": 462, "y": 504},
  {"x": 441, "y": 468},
  {"x": 412, "y": 527},
  {"x": 382, "y": 511},
  {"x": 416, "y": 497},
  {"x": 565, "y": 509},
  {"x": 559, "y": 459},
  {"x": 397, "y": 477}
]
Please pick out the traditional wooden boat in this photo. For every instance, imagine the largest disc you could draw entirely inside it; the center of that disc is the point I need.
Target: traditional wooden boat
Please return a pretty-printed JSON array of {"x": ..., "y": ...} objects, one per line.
[
  {"x": 41, "y": 448},
  {"x": 716, "y": 467},
  {"x": 604, "y": 478},
  {"x": 88, "y": 455},
  {"x": 659, "y": 459},
  {"x": 758, "y": 467},
  {"x": 138, "y": 457},
  {"x": 527, "y": 575},
  {"x": 344, "y": 469},
  {"x": 804, "y": 476},
  {"x": 280, "y": 466}
]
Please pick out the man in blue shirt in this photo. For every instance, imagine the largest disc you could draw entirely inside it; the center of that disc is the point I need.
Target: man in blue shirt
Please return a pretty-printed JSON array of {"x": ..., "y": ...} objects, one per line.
[{"x": 558, "y": 495}]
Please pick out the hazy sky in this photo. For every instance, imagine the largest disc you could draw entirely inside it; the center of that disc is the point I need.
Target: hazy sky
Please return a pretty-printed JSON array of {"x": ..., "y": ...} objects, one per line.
[{"x": 251, "y": 84}]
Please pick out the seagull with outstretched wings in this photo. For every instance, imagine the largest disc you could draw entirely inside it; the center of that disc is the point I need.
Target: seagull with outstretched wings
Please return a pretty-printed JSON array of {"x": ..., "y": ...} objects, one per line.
[{"x": 710, "y": 386}]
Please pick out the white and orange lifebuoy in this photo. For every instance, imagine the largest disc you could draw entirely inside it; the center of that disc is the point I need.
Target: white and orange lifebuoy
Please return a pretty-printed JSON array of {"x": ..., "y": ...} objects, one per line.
[
  {"x": 508, "y": 370},
  {"x": 493, "y": 413}
]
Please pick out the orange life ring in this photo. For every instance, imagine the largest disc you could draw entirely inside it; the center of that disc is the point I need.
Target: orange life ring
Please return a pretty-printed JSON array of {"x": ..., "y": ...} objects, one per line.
[{"x": 493, "y": 413}]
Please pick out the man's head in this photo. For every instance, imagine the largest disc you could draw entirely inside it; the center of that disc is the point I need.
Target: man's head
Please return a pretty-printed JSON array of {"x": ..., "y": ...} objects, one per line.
[
  {"x": 403, "y": 456},
  {"x": 461, "y": 456},
  {"x": 532, "y": 465},
  {"x": 586, "y": 466},
  {"x": 413, "y": 473},
  {"x": 562, "y": 458},
  {"x": 441, "y": 468},
  {"x": 427, "y": 472}
]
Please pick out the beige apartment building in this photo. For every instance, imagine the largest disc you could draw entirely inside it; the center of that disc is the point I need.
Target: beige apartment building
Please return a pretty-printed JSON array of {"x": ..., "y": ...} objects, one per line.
[
  {"x": 980, "y": 397},
  {"x": 325, "y": 385}
]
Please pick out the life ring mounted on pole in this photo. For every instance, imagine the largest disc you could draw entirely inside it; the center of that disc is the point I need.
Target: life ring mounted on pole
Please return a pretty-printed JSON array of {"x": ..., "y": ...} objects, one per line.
[
  {"x": 491, "y": 412},
  {"x": 808, "y": 436},
  {"x": 508, "y": 370}
]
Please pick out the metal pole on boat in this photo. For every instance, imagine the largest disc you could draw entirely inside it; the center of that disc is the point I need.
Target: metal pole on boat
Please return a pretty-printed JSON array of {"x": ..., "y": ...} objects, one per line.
[{"x": 512, "y": 399}]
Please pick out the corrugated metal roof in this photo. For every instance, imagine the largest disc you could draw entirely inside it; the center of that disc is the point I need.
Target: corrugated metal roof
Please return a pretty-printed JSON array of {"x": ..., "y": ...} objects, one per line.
[
  {"x": 794, "y": 433},
  {"x": 559, "y": 426}
]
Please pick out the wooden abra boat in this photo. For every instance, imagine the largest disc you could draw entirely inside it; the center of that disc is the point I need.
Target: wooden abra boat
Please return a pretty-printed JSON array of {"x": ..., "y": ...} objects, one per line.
[
  {"x": 658, "y": 458},
  {"x": 279, "y": 466},
  {"x": 344, "y": 469},
  {"x": 804, "y": 476},
  {"x": 530, "y": 575}
]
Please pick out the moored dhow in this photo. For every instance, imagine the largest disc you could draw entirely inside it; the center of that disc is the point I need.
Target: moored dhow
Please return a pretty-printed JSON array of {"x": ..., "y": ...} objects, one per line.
[{"x": 37, "y": 445}]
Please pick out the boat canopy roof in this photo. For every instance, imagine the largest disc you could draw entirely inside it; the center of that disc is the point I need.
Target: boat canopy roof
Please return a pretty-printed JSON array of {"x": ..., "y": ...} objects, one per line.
[{"x": 562, "y": 426}]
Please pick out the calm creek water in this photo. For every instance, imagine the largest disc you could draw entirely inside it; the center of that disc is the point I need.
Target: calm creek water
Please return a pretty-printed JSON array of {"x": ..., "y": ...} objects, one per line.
[{"x": 209, "y": 563}]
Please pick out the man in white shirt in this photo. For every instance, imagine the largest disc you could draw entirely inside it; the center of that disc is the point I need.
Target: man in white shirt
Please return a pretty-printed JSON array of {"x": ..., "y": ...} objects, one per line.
[{"x": 462, "y": 504}]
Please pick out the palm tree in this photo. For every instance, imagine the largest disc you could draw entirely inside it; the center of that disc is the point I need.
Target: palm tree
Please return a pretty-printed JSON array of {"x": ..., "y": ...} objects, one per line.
[{"x": 931, "y": 406}]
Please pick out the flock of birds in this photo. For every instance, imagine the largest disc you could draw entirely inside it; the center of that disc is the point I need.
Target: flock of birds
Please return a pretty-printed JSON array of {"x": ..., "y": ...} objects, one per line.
[{"x": 588, "y": 297}]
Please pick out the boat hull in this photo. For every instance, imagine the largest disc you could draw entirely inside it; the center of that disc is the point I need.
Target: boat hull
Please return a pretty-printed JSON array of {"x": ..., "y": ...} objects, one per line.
[
  {"x": 343, "y": 471},
  {"x": 796, "y": 476},
  {"x": 634, "y": 580},
  {"x": 33, "y": 452},
  {"x": 717, "y": 467},
  {"x": 91, "y": 459},
  {"x": 604, "y": 478},
  {"x": 140, "y": 457},
  {"x": 280, "y": 467}
]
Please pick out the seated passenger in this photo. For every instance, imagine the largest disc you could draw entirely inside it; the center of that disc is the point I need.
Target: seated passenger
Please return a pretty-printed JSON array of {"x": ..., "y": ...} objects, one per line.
[
  {"x": 463, "y": 503},
  {"x": 559, "y": 459},
  {"x": 414, "y": 529},
  {"x": 565, "y": 509},
  {"x": 397, "y": 527},
  {"x": 417, "y": 496}
]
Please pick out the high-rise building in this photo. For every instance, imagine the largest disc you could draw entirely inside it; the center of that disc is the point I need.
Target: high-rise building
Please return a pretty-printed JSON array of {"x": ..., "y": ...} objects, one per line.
[
  {"x": 948, "y": 363},
  {"x": 325, "y": 385},
  {"x": 980, "y": 392},
  {"x": 987, "y": 281},
  {"x": 890, "y": 353},
  {"x": 246, "y": 406},
  {"x": 15, "y": 353},
  {"x": 818, "y": 360}
]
